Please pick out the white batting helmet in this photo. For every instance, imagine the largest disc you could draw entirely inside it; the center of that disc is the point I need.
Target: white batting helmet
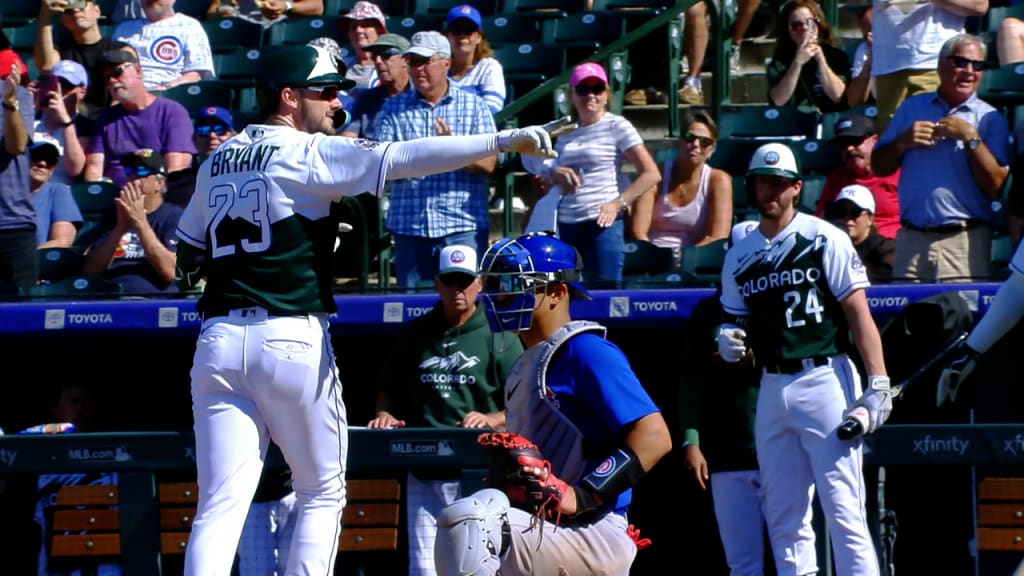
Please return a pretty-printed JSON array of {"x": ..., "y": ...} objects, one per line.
[{"x": 775, "y": 159}]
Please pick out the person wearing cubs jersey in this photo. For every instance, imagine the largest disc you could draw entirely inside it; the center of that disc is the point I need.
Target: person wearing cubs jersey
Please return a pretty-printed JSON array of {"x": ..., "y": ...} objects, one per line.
[
  {"x": 793, "y": 291},
  {"x": 258, "y": 229},
  {"x": 573, "y": 394}
]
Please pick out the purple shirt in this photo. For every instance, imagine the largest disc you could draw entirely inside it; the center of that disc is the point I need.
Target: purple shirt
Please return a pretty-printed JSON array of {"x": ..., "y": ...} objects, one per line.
[{"x": 163, "y": 126}]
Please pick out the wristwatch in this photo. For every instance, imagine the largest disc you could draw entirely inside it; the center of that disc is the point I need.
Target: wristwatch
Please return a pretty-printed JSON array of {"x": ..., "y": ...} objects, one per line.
[{"x": 973, "y": 144}]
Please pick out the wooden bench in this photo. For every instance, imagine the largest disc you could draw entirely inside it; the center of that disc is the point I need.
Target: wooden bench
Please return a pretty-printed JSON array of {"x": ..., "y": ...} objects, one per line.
[
  {"x": 1001, "y": 514},
  {"x": 86, "y": 520}
]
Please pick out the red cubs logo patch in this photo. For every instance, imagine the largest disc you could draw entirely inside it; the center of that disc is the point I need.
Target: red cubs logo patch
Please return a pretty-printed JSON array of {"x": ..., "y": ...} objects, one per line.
[
  {"x": 167, "y": 50},
  {"x": 605, "y": 468}
]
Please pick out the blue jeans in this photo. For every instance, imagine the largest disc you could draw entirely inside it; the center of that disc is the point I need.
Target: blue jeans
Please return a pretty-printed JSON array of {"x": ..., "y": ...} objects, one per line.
[
  {"x": 601, "y": 249},
  {"x": 416, "y": 257}
]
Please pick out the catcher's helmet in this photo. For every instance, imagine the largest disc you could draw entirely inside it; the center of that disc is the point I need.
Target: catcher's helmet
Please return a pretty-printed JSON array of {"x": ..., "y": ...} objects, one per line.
[
  {"x": 512, "y": 269},
  {"x": 775, "y": 159}
]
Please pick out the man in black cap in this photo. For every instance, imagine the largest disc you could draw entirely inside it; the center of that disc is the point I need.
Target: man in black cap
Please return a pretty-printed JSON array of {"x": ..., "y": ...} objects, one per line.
[
  {"x": 855, "y": 137},
  {"x": 258, "y": 229},
  {"x": 139, "y": 252}
]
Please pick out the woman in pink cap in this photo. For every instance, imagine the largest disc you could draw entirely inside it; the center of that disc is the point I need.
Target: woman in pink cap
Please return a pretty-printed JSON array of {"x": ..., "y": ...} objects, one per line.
[
  {"x": 362, "y": 25},
  {"x": 596, "y": 195}
]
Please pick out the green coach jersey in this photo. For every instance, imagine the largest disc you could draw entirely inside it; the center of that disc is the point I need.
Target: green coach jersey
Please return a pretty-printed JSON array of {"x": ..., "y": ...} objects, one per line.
[
  {"x": 261, "y": 216},
  {"x": 437, "y": 373},
  {"x": 788, "y": 289}
]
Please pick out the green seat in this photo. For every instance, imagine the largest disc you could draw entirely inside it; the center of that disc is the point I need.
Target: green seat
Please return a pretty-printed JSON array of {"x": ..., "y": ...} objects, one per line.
[
  {"x": 200, "y": 94},
  {"x": 645, "y": 259},
  {"x": 997, "y": 14},
  {"x": 814, "y": 185},
  {"x": 1003, "y": 87},
  {"x": 526, "y": 65},
  {"x": 409, "y": 24},
  {"x": 77, "y": 287},
  {"x": 703, "y": 264},
  {"x": 230, "y": 34},
  {"x": 366, "y": 246},
  {"x": 544, "y": 9},
  {"x": 1002, "y": 253},
  {"x": 510, "y": 28},
  {"x": 818, "y": 156},
  {"x": 18, "y": 12},
  {"x": 302, "y": 30},
  {"x": 95, "y": 201},
  {"x": 388, "y": 7},
  {"x": 23, "y": 36},
  {"x": 761, "y": 121},
  {"x": 237, "y": 67},
  {"x": 583, "y": 30},
  {"x": 57, "y": 263},
  {"x": 632, "y": 7},
  {"x": 194, "y": 8},
  {"x": 441, "y": 7}
]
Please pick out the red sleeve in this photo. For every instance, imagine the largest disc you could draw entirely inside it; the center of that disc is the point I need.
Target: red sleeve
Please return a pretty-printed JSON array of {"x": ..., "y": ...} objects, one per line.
[{"x": 828, "y": 193}]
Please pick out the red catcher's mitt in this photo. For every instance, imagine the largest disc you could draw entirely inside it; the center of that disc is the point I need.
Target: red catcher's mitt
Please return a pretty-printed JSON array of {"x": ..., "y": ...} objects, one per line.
[{"x": 508, "y": 454}]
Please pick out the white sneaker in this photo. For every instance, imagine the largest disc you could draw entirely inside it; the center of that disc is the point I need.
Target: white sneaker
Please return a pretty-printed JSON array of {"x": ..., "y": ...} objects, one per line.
[{"x": 691, "y": 96}]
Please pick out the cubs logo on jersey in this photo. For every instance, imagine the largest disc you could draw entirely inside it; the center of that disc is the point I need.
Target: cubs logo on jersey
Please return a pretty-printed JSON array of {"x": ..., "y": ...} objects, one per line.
[{"x": 167, "y": 50}]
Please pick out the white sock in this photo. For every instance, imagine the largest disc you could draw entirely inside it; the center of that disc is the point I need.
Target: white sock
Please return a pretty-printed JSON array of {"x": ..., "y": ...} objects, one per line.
[{"x": 694, "y": 81}]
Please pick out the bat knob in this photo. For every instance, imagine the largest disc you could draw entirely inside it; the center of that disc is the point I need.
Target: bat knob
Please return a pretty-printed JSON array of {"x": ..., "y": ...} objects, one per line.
[{"x": 849, "y": 429}]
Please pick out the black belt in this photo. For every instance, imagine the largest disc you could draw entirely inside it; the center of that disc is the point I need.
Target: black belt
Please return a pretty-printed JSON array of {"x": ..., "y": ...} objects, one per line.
[
  {"x": 794, "y": 365},
  {"x": 950, "y": 228}
]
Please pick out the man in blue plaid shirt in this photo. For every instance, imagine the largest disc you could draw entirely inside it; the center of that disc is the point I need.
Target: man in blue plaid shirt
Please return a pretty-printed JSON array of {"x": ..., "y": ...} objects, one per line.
[{"x": 429, "y": 213}]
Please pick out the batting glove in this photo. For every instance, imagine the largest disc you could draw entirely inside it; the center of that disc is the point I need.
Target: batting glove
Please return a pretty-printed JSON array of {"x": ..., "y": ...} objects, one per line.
[
  {"x": 528, "y": 141},
  {"x": 730, "y": 343},
  {"x": 956, "y": 371},
  {"x": 877, "y": 400}
]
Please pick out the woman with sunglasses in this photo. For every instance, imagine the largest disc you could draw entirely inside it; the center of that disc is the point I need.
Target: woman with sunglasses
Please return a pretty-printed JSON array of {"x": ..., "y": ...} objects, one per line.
[
  {"x": 806, "y": 68},
  {"x": 595, "y": 194},
  {"x": 473, "y": 68},
  {"x": 853, "y": 211},
  {"x": 693, "y": 206}
]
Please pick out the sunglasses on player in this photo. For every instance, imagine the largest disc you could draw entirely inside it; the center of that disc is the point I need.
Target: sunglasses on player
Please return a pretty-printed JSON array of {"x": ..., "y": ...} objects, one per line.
[{"x": 325, "y": 93}]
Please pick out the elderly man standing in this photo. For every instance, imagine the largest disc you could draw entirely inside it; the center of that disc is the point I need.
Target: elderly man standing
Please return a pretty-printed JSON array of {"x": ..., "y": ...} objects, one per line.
[
  {"x": 393, "y": 73},
  {"x": 173, "y": 48},
  {"x": 432, "y": 212},
  {"x": 953, "y": 152}
]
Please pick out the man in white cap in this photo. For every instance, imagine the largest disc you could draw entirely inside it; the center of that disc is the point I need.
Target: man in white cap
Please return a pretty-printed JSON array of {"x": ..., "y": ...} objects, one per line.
[
  {"x": 61, "y": 118},
  {"x": 57, "y": 215},
  {"x": 449, "y": 371},
  {"x": 853, "y": 210},
  {"x": 427, "y": 214}
]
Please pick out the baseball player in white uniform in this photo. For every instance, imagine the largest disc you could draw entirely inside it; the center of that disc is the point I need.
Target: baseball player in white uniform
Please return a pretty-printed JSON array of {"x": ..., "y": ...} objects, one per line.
[
  {"x": 1005, "y": 312},
  {"x": 795, "y": 288},
  {"x": 258, "y": 230}
]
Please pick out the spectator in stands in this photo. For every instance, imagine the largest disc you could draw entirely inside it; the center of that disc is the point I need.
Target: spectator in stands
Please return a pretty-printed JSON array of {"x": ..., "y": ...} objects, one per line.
[
  {"x": 140, "y": 120},
  {"x": 18, "y": 265},
  {"x": 361, "y": 26},
  {"x": 953, "y": 150},
  {"x": 432, "y": 212},
  {"x": 861, "y": 87},
  {"x": 57, "y": 215},
  {"x": 60, "y": 118},
  {"x": 855, "y": 137},
  {"x": 213, "y": 126},
  {"x": 139, "y": 252},
  {"x": 853, "y": 210},
  {"x": 172, "y": 47},
  {"x": 806, "y": 68},
  {"x": 1010, "y": 41},
  {"x": 693, "y": 205},
  {"x": 393, "y": 73},
  {"x": 87, "y": 46},
  {"x": 9, "y": 57},
  {"x": 695, "y": 45},
  {"x": 449, "y": 370},
  {"x": 265, "y": 12},
  {"x": 592, "y": 208},
  {"x": 906, "y": 40},
  {"x": 473, "y": 68},
  {"x": 126, "y": 10}
]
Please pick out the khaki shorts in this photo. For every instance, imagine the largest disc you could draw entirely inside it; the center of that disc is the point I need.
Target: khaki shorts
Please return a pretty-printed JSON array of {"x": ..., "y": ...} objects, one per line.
[
  {"x": 960, "y": 256},
  {"x": 892, "y": 89}
]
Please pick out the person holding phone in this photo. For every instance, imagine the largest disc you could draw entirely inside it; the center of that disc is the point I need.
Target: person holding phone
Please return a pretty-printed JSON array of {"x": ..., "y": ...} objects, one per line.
[
  {"x": 806, "y": 68},
  {"x": 61, "y": 94}
]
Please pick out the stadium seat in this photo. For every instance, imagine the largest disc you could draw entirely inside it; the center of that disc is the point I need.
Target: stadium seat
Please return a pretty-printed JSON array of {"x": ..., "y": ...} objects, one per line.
[
  {"x": 544, "y": 9},
  {"x": 237, "y": 67},
  {"x": 95, "y": 201},
  {"x": 366, "y": 245},
  {"x": 78, "y": 286},
  {"x": 631, "y": 7},
  {"x": 230, "y": 34},
  {"x": 390, "y": 8},
  {"x": 741, "y": 200},
  {"x": 57, "y": 263},
  {"x": 302, "y": 30},
  {"x": 194, "y": 8},
  {"x": 409, "y": 24},
  {"x": 197, "y": 95},
  {"x": 645, "y": 259},
  {"x": 814, "y": 185},
  {"x": 510, "y": 28},
  {"x": 761, "y": 121},
  {"x": 733, "y": 154},
  {"x": 441, "y": 7},
  {"x": 1002, "y": 253},
  {"x": 829, "y": 119},
  {"x": 817, "y": 156},
  {"x": 997, "y": 14},
  {"x": 527, "y": 65},
  {"x": 21, "y": 37},
  {"x": 703, "y": 264},
  {"x": 1003, "y": 87},
  {"x": 588, "y": 30},
  {"x": 17, "y": 12}
]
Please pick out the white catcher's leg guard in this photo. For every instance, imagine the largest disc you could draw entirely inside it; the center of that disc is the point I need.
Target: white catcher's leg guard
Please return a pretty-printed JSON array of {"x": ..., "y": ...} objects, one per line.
[{"x": 472, "y": 535}]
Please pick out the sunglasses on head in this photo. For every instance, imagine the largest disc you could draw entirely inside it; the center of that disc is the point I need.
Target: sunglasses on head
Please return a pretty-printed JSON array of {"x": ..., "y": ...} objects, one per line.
[
  {"x": 961, "y": 62},
  {"x": 117, "y": 72},
  {"x": 461, "y": 281},
  {"x": 801, "y": 24},
  {"x": 462, "y": 28},
  {"x": 138, "y": 170},
  {"x": 386, "y": 53},
  {"x": 206, "y": 129},
  {"x": 585, "y": 89},
  {"x": 705, "y": 141},
  {"x": 325, "y": 93}
]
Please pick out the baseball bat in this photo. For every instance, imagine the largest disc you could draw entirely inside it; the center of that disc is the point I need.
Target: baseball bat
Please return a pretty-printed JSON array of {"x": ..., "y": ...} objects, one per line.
[
  {"x": 560, "y": 126},
  {"x": 851, "y": 427}
]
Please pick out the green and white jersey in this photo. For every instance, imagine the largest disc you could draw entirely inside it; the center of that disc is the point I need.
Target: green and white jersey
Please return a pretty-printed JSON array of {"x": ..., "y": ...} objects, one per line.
[
  {"x": 789, "y": 289},
  {"x": 261, "y": 216}
]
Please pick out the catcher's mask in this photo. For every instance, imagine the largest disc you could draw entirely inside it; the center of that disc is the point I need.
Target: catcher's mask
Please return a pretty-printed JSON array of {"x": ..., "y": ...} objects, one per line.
[{"x": 513, "y": 270}]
